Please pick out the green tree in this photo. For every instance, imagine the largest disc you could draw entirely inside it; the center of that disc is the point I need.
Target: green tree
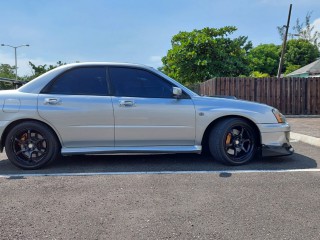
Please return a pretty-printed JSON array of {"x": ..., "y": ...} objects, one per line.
[
  {"x": 7, "y": 71},
  {"x": 303, "y": 30},
  {"x": 202, "y": 54},
  {"x": 41, "y": 69},
  {"x": 264, "y": 59},
  {"x": 258, "y": 74},
  {"x": 291, "y": 68},
  {"x": 300, "y": 52}
]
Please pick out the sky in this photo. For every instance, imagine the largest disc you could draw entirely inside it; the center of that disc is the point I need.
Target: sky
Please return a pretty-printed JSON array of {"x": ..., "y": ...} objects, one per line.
[{"x": 137, "y": 31}]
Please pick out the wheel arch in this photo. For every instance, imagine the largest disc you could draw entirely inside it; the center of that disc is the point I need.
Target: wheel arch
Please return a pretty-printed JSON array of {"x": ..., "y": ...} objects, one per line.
[
  {"x": 16, "y": 122},
  {"x": 205, "y": 137}
]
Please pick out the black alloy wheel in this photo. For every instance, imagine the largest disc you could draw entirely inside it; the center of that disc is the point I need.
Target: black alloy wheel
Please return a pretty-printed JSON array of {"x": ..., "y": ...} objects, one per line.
[
  {"x": 31, "y": 145},
  {"x": 233, "y": 141}
]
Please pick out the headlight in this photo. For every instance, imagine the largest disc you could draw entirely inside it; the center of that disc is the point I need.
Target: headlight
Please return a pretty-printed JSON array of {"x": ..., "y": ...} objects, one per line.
[{"x": 280, "y": 118}]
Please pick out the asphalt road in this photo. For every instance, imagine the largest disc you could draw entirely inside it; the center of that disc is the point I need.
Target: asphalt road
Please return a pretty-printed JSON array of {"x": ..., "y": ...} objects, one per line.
[{"x": 181, "y": 196}]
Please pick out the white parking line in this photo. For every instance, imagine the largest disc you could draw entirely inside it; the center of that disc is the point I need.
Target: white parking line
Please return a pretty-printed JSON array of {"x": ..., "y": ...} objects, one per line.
[{"x": 155, "y": 172}]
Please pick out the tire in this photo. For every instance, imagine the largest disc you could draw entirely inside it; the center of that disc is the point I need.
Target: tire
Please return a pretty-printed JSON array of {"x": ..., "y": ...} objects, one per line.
[
  {"x": 233, "y": 141},
  {"x": 31, "y": 145}
]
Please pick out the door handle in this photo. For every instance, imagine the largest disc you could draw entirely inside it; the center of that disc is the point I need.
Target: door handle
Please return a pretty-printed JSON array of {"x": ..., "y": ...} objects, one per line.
[
  {"x": 126, "y": 103},
  {"x": 52, "y": 101}
]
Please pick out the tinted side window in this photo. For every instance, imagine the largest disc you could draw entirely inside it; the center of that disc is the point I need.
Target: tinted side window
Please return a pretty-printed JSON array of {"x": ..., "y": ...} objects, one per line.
[
  {"x": 129, "y": 82},
  {"x": 80, "y": 81}
]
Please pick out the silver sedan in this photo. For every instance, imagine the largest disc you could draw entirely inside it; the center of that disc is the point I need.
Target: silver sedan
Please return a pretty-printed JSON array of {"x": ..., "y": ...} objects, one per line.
[{"x": 102, "y": 108}]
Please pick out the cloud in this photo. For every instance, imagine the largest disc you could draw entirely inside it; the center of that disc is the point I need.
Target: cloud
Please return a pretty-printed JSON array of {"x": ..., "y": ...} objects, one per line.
[
  {"x": 155, "y": 61},
  {"x": 316, "y": 25}
]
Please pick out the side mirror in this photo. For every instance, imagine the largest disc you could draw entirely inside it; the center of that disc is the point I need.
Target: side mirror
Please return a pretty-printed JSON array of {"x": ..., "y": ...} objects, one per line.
[{"x": 177, "y": 92}]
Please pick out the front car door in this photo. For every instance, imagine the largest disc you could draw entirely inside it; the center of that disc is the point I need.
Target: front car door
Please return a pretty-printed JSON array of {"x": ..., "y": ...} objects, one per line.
[
  {"x": 146, "y": 113},
  {"x": 77, "y": 105}
]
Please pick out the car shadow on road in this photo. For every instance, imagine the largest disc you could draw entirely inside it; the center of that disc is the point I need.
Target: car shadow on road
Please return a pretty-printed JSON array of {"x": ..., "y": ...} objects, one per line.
[{"x": 158, "y": 163}]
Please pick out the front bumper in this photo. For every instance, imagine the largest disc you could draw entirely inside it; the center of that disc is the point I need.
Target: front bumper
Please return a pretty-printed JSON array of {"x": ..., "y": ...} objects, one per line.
[
  {"x": 273, "y": 151},
  {"x": 275, "y": 140}
]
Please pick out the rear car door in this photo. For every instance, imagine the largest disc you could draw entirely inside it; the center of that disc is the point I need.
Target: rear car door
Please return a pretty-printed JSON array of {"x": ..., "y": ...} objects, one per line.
[
  {"x": 77, "y": 105},
  {"x": 146, "y": 113}
]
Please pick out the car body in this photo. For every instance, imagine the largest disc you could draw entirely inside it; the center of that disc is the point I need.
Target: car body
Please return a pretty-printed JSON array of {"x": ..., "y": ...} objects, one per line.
[{"x": 101, "y": 108}]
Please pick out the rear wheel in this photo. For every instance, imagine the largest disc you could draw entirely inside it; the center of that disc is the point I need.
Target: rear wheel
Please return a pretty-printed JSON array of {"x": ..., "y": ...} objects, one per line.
[
  {"x": 233, "y": 141},
  {"x": 31, "y": 145}
]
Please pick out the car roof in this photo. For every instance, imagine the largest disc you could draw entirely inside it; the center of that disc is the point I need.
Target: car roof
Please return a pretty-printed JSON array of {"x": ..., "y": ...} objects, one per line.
[{"x": 117, "y": 64}]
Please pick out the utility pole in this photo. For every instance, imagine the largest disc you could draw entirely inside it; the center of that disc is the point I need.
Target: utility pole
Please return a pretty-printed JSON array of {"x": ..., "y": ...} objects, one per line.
[{"x": 284, "y": 44}]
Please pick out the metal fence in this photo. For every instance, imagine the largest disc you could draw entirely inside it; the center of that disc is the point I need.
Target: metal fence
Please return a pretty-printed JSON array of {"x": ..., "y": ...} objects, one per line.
[
  {"x": 7, "y": 83},
  {"x": 292, "y": 96}
]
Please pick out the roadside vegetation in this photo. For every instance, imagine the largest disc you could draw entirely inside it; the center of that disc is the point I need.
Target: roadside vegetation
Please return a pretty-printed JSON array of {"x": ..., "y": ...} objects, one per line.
[{"x": 212, "y": 52}]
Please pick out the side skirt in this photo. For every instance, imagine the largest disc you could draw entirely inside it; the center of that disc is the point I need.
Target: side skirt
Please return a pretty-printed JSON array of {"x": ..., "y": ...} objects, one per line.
[{"x": 152, "y": 149}]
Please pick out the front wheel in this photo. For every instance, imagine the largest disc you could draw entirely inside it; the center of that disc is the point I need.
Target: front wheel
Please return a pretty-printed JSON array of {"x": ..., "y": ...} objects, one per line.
[
  {"x": 31, "y": 145},
  {"x": 233, "y": 141}
]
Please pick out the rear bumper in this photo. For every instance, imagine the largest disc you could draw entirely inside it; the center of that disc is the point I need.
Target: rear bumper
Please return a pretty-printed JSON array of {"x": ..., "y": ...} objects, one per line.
[{"x": 273, "y": 151}]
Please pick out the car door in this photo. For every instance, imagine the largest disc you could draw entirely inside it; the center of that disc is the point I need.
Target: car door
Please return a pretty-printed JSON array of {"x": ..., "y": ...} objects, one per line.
[
  {"x": 146, "y": 113},
  {"x": 77, "y": 105}
]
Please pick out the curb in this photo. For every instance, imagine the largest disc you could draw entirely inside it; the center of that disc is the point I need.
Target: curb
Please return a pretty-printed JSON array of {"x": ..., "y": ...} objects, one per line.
[
  {"x": 305, "y": 138},
  {"x": 302, "y": 116}
]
